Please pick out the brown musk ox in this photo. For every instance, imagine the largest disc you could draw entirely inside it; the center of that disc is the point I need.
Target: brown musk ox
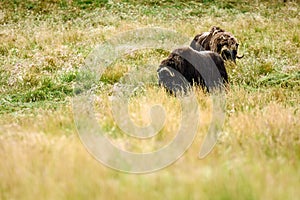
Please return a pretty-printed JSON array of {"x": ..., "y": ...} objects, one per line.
[
  {"x": 186, "y": 67},
  {"x": 217, "y": 40}
]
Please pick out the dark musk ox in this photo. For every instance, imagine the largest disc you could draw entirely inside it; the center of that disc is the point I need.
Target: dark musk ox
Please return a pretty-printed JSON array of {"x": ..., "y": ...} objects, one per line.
[
  {"x": 217, "y": 40},
  {"x": 186, "y": 66}
]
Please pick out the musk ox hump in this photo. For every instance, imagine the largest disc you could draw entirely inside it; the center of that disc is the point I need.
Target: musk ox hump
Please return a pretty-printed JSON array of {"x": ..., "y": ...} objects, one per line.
[{"x": 198, "y": 42}]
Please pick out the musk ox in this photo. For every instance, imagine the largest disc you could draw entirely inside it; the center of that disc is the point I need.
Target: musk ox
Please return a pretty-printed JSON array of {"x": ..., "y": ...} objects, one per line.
[
  {"x": 217, "y": 40},
  {"x": 186, "y": 66}
]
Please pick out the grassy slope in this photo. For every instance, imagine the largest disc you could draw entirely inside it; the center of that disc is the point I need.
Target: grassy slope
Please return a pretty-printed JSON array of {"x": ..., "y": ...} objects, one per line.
[{"x": 42, "y": 47}]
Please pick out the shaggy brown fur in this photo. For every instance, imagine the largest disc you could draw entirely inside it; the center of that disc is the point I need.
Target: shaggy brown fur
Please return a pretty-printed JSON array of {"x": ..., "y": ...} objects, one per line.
[
  {"x": 204, "y": 68},
  {"x": 217, "y": 40}
]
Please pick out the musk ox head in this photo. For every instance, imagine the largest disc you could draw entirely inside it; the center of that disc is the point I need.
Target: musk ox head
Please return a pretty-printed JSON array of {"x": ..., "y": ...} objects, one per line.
[
  {"x": 185, "y": 67},
  {"x": 219, "y": 41}
]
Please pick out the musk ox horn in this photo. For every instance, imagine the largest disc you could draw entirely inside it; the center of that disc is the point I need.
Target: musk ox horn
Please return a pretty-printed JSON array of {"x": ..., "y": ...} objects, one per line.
[{"x": 239, "y": 57}]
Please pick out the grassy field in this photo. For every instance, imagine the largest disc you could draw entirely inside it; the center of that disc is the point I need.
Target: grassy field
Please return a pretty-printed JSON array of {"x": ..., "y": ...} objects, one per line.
[{"x": 44, "y": 43}]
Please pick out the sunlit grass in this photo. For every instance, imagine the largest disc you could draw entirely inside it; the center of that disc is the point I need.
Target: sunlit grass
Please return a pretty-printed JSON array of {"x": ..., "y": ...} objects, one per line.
[{"x": 42, "y": 46}]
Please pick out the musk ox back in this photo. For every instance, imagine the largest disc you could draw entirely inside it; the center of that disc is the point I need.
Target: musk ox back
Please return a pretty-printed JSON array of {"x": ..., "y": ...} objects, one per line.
[
  {"x": 219, "y": 41},
  {"x": 186, "y": 66}
]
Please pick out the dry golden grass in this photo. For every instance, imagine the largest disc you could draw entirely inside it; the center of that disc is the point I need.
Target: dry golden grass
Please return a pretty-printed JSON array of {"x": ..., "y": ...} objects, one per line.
[{"x": 256, "y": 149}]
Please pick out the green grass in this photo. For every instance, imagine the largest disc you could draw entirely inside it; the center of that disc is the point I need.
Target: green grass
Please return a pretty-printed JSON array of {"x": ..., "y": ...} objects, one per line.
[{"x": 44, "y": 43}]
